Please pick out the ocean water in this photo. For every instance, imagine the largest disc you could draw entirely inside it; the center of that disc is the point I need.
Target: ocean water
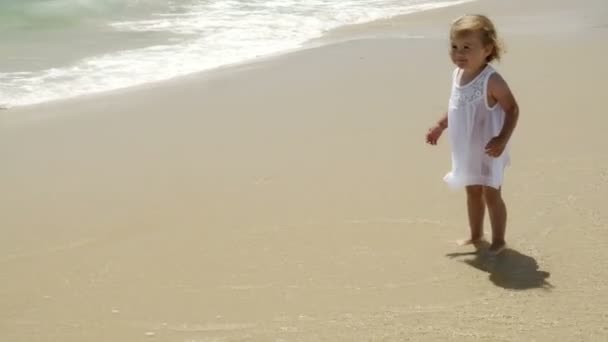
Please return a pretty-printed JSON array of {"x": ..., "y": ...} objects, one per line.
[{"x": 56, "y": 49}]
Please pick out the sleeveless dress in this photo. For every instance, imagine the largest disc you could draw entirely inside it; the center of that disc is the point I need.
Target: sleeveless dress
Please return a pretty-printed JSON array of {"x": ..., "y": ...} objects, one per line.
[{"x": 471, "y": 125}]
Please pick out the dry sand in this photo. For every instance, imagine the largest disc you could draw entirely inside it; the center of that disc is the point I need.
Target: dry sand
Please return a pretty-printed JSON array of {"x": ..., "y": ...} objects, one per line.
[{"x": 294, "y": 199}]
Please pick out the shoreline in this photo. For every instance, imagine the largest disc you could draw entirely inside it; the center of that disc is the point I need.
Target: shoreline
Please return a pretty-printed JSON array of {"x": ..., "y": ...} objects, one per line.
[
  {"x": 415, "y": 23},
  {"x": 326, "y": 38}
]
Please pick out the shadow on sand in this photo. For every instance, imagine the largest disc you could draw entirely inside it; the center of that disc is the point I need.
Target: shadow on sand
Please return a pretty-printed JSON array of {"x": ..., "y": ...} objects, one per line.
[{"x": 510, "y": 269}]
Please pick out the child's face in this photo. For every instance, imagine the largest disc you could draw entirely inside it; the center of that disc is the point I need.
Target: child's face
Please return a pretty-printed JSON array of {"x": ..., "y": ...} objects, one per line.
[{"x": 468, "y": 52}]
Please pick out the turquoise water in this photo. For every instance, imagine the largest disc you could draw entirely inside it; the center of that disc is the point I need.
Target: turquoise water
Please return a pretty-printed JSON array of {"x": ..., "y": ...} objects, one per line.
[{"x": 55, "y": 49}]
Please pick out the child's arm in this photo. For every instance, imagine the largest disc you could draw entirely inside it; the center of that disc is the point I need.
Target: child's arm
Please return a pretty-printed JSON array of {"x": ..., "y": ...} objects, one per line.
[
  {"x": 499, "y": 91},
  {"x": 435, "y": 132},
  {"x": 443, "y": 122}
]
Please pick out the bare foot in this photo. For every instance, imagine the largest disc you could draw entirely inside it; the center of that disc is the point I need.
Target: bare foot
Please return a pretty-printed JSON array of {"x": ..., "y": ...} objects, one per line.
[
  {"x": 475, "y": 242},
  {"x": 497, "y": 247}
]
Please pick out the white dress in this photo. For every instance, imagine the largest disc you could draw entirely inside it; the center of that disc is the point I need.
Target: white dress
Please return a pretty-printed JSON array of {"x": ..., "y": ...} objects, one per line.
[{"x": 471, "y": 125}]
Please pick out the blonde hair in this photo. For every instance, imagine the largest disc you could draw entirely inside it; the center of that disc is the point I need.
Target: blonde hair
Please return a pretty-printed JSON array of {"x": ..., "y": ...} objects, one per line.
[{"x": 482, "y": 26}]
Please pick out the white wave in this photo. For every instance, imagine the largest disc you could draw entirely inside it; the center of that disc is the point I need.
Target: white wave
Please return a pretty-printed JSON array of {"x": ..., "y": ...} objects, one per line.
[{"x": 216, "y": 33}]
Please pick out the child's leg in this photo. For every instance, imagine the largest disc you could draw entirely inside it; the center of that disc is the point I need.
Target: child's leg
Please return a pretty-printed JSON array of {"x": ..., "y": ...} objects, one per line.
[
  {"x": 476, "y": 209},
  {"x": 498, "y": 217}
]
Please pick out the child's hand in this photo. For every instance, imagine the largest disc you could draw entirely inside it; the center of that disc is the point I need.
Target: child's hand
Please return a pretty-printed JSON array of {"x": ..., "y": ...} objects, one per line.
[
  {"x": 433, "y": 134},
  {"x": 495, "y": 147}
]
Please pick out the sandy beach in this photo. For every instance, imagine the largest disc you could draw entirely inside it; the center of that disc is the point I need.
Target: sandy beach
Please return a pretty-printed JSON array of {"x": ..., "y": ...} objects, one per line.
[{"x": 294, "y": 199}]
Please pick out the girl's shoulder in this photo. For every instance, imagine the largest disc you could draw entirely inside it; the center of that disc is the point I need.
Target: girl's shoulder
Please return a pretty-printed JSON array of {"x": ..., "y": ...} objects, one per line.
[
  {"x": 496, "y": 80},
  {"x": 494, "y": 75},
  {"x": 498, "y": 87}
]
